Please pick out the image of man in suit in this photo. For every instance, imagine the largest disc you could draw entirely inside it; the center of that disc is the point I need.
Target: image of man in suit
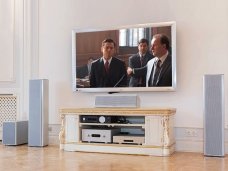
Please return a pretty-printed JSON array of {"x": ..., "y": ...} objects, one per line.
[
  {"x": 158, "y": 70},
  {"x": 108, "y": 71},
  {"x": 140, "y": 60}
]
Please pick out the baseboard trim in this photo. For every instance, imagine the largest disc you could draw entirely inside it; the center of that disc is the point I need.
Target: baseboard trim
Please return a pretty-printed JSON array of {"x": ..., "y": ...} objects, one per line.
[
  {"x": 189, "y": 146},
  {"x": 187, "y": 139}
]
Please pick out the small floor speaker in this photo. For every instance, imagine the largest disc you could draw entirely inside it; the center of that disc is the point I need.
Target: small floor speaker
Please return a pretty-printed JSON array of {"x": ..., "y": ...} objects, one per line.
[
  {"x": 15, "y": 132},
  {"x": 214, "y": 115},
  {"x": 38, "y": 112}
]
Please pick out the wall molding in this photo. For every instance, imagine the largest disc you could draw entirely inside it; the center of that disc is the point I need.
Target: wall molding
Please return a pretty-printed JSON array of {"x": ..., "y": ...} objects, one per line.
[
  {"x": 30, "y": 61},
  {"x": 8, "y": 22}
]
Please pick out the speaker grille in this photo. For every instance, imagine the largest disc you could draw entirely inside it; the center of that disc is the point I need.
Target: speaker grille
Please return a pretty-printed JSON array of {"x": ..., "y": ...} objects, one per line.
[
  {"x": 116, "y": 101},
  {"x": 213, "y": 115}
]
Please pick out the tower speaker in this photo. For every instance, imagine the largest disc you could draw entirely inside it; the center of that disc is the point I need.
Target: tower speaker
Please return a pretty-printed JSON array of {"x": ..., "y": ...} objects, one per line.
[
  {"x": 38, "y": 112},
  {"x": 214, "y": 115}
]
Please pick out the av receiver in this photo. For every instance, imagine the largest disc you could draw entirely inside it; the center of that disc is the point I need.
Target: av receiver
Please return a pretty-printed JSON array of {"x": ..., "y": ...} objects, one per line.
[{"x": 98, "y": 119}]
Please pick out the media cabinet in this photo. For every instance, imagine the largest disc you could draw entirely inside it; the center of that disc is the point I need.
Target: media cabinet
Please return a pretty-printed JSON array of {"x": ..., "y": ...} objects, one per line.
[{"x": 150, "y": 130}]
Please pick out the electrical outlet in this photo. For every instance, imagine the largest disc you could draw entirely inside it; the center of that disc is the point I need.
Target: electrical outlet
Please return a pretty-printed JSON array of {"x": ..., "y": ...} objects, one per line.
[
  {"x": 191, "y": 132},
  {"x": 49, "y": 129}
]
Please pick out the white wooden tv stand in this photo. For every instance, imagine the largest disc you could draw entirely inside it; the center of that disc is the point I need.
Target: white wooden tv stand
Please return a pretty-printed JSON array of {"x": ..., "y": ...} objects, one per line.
[{"x": 153, "y": 126}]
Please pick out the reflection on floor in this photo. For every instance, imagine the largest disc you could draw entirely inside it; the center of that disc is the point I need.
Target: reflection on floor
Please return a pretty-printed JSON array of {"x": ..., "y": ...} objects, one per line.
[{"x": 50, "y": 158}]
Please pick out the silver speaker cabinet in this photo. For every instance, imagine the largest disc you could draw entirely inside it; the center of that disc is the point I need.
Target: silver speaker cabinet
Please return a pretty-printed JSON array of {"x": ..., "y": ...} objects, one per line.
[
  {"x": 15, "y": 132},
  {"x": 38, "y": 112},
  {"x": 116, "y": 101},
  {"x": 214, "y": 115}
]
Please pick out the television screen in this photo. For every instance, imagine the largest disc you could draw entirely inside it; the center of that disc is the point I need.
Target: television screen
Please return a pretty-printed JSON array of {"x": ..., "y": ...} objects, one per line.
[{"x": 124, "y": 48}]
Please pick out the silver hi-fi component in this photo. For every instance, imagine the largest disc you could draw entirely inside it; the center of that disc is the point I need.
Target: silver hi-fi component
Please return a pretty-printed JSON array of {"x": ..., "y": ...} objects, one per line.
[{"x": 116, "y": 101}]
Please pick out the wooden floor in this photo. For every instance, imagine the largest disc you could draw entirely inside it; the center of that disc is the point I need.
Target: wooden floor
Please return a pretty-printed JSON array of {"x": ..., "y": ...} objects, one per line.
[{"x": 50, "y": 158}]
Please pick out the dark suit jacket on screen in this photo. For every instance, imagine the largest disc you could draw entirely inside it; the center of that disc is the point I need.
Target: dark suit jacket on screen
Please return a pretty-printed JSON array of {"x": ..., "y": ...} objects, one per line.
[
  {"x": 134, "y": 62},
  {"x": 116, "y": 77},
  {"x": 165, "y": 78}
]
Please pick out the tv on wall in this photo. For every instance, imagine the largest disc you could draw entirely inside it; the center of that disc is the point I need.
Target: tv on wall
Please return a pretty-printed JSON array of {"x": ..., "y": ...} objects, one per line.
[{"x": 87, "y": 50}]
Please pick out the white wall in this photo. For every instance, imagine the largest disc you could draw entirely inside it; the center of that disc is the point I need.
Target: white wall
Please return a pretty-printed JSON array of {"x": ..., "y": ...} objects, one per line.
[{"x": 202, "y": 39}]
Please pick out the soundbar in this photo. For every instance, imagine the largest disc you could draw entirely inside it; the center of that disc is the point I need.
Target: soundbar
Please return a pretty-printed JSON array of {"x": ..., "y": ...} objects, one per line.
[{"x": 116, "y": 101}]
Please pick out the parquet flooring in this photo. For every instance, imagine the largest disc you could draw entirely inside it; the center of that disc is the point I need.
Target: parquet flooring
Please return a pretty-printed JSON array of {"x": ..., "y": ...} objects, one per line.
[{"x": 50, "y": 158}]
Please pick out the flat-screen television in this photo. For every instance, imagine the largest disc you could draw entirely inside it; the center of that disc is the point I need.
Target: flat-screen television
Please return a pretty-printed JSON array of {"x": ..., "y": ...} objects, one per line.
[{"x": 87, "y": 45}]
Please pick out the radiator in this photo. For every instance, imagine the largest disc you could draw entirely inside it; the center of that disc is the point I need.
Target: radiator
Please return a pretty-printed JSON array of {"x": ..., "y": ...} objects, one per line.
[{"x": 8, "y": 109}]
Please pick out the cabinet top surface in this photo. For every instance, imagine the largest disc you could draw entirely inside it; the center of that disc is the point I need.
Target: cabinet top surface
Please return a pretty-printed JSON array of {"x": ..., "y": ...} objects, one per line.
[{"x": 143, "y": 111}]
